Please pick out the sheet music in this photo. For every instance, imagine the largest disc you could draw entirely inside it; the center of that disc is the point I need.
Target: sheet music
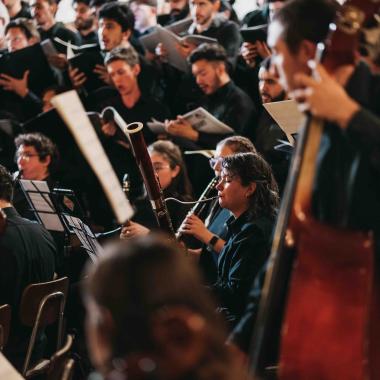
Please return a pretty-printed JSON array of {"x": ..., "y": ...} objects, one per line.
[
  {"x": 38, "y": 193},
  {"x": 170, "y": 41},
  {"x": 287, "y": 116},
  {"x": 208, "y": 153},
  {"x": 203, "y": 121},
  {"x": 72, "y": 112},
  {"x": 48, "y": 48},
  {"x": 7, "y": 371},
  {"x": 86, "y": 237}
]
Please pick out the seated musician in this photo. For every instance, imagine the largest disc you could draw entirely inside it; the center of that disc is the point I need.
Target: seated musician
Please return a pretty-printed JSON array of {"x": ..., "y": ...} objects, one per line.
[
  {"x": 213, "y": 232},
  {"x": 172, "y": 173},
  {"x": 28, "y": 255},
  {"x": 249, "y": 191},
  {"x": 37, "y": 159},
  {"x": 164, "y": 328},
  {"x": 222, "y": 98}
]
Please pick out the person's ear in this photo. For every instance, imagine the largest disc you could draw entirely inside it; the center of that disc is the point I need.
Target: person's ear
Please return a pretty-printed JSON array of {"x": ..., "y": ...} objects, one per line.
[
  {"x": 46, "y": 161},
  {"x": 136, "y": 69},
  {"x": 216, "y": 6},
  {"x": 53, "y": 8},
  {"x": 306, "y": 51},
  {"x": 179, "y": 334},
  {"x": 175, "y": 171},
  {"x": 251, "y": 188},
  {"x": 126, "y": 35}
]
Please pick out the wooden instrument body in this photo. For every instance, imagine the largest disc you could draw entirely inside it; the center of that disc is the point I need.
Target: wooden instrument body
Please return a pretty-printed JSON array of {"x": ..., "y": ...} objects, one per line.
[{"x": 328, "y": 310}]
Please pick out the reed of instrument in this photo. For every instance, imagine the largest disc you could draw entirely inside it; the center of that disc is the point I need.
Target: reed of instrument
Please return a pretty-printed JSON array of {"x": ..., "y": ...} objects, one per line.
[
  {"x": 200, "y": 204},
  {"x": 152, "y": 184}
]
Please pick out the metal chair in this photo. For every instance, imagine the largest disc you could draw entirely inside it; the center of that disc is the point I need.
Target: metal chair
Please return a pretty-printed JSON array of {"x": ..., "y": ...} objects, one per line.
[
  {"x": 5, "y": 324},
  {"x": 42, "y": 305}
]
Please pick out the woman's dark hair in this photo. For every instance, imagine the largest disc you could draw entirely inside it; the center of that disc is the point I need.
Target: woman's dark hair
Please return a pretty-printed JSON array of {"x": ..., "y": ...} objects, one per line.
[
  {"x": 137, "y": 279},
  {"x": 43, "y": 145},
  {"x": 238, "y": 144},
  {"x": 181, "y": 183},
  {"x": 251, "y": 167}
]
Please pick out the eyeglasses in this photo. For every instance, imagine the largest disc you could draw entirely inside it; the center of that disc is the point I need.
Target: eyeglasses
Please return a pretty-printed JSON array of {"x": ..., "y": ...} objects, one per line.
[
  {"x": 25, "y": 156},
  {"x": 215, "y": 160},
  {"x": 160, "y": 167}
]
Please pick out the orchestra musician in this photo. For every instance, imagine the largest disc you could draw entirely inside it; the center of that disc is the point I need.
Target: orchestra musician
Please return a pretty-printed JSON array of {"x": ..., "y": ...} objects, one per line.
[
  {"x": 165, "y": 327},
  {"x": 168, "y": 163},
  {"x": 249, "y": 191}
]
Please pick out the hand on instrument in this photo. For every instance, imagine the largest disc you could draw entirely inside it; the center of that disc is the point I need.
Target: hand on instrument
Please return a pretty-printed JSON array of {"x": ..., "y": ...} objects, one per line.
[
  {"x": 133, "y": 230},
  {"x": 324, "y": 97},
  {"x": 192, "y": 225},
  {"x": 102, "y": 73},
  {"x": 77, "y": 78},
  {"x": 182, "y": 128},
  {"x": 18, "y": 86}
]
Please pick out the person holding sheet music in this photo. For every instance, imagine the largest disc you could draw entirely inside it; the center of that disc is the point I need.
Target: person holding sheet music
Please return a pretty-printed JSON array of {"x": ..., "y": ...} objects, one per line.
[
  {"x": 222, "y": 98},
  {"x": 28, "y": 255}
]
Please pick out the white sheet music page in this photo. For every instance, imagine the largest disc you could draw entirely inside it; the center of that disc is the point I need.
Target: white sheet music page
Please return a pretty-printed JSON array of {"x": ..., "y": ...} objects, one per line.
[
  {"x": 72, "y": 112},
  {"x": 287, "y": 116},
  {"x": 7, "y": 371}
]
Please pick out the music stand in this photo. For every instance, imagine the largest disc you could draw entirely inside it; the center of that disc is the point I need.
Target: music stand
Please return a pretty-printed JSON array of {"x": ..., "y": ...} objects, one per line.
[
  {"x": 42, "y": 204},
  {"x": 85, "y": 236}
]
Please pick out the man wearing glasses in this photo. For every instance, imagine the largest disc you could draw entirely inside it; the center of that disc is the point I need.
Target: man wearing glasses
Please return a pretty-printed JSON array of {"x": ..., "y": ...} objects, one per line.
[{"x": 36, "y": 157}]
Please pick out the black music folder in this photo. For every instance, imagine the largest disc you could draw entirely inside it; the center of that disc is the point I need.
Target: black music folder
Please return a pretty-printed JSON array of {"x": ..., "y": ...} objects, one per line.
[
  {"x": 31, "y": 58},
  {"x": 255, "y": 33}
]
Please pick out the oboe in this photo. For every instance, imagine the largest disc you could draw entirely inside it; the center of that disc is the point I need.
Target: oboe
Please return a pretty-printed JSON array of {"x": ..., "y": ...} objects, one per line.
[
  {"x": 200, "y": 203},
  {"x": 140, "y": 151}
]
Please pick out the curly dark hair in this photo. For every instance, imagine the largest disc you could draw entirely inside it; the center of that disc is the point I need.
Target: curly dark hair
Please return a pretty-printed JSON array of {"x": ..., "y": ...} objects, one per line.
[
  {"x": 6, "y": 184},
  {"x": 118, "y": 12},
  {"x": 43, "y": 145},
  {"x": 181, "y": 183},
  {"x": 251, "y": 167},
  {"x": 212, "y": 52}
]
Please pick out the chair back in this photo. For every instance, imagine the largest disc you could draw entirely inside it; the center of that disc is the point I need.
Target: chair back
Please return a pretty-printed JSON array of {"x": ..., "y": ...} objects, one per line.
[
  {"x": 33, "y": 297},
  {"x": 59, "y": 361},
  {"x": 5, "y": 324}
]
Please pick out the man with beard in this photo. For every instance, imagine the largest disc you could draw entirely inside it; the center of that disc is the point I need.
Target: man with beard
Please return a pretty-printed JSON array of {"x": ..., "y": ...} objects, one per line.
[
  {"x": 85, "y": 21},
  {"x": 145, "y": 12},
  {"x": 179, "y": 10},
  {"x": 266, "y": 134},
  {"x": 222, "y": 98}
]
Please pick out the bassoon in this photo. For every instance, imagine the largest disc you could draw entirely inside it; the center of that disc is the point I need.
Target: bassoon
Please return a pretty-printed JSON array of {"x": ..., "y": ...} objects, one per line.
[{"x": 151, "y": 181}]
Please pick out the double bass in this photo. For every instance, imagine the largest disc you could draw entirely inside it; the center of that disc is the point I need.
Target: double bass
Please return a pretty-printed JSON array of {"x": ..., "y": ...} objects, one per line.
[{"x": 319, "y": 313}]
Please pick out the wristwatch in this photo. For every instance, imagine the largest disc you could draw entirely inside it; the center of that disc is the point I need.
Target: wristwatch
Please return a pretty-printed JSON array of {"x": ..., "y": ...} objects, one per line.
[{"x": 212, "y": 242}]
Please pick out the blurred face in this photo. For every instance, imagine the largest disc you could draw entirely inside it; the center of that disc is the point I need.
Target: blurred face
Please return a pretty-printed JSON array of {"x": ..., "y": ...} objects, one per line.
[
  {"x": 287, "y": 63},
  {"x": 16, "y": 39},
  {"x": 43, "y": 12},
  {"x": 162, "y": 167},
  {"x": 220, "y": 152},
  {"x": 46, "y": 100},
  {"x": 84, "y": 17},
  {"x": 123, "y": 76},
  {"x": 232, "y": 194},
  {"x": 207, "y": 75},
  {"x": 274, "y": 7},
  {"x": 202, "y": 11},
  {"x": 269, "y": 86},
  {"x": 110, "y": 34},
  {"x": 32, "y": 166},
  {"x": 144, "y": 14},
  {"x": 176, "y": 6},
  {"x": 11, "y": 3}
]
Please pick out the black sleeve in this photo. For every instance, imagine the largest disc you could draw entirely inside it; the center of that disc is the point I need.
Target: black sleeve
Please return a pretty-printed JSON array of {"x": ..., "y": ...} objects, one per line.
[{"x": 230, "y": 38}]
